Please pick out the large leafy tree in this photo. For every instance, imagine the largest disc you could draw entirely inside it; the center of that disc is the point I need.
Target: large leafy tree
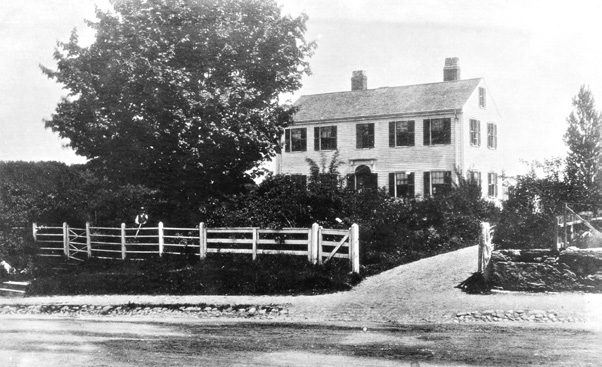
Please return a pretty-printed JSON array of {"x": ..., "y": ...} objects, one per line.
[
  {"x": 585, "y": 148},
  {"x": 181, "y": 95}
]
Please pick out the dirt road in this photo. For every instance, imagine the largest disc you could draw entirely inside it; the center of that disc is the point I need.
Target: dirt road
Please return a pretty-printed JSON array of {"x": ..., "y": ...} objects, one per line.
[
  {"x": 28, "y": 340},
  {"x": 423, "y": 291}
]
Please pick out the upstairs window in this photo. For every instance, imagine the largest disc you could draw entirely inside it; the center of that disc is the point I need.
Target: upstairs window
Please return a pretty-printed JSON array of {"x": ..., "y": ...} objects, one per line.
[
  {"x": 437, "y": 182},
  {"x": 475, "y": 133},
  {"x": 401, "y": 133},
  {"x": 492, "y": 136},
  {"x": 492, "y": 184},
  {"x": 401, "y": 184},
  {"x": 364, "y": 134},
  {"x": 482, "y": 97},
  {"x": 295, "y": 140},
  {"x": 325, "y": 138},
  {"x": 437, "y": 131}
]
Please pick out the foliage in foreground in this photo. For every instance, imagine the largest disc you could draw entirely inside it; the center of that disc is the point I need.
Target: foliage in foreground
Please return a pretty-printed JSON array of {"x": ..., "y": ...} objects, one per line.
[
  {"x": 217, "y": 274},
  {"x": 392, "y": 231}
]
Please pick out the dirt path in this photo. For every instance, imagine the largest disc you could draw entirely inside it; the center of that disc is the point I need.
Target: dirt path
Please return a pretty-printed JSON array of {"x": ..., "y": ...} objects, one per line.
[{"x": 423, "y": 291}]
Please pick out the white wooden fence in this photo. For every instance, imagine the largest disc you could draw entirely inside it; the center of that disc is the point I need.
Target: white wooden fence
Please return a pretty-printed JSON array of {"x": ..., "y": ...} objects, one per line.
[
  {"x": 565, "y": 227},
  {"x": 320, "y": 245}
]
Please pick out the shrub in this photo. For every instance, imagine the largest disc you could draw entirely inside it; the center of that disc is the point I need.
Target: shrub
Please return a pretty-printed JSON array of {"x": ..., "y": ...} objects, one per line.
[{"x": 392, "y": 231}]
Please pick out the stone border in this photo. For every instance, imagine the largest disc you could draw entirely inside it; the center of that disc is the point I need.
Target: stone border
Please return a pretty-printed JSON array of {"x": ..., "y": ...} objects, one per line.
[
  {"x": 172, "y": 310},
  {"x": 537, "y": 316}
]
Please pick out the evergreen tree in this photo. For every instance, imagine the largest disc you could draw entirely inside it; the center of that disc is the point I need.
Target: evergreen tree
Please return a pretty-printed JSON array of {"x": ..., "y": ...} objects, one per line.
[{"x": 585, "y": 151}]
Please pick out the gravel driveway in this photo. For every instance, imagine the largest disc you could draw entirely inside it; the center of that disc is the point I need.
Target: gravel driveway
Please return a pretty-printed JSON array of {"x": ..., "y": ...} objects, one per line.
[{"x": 422, "y": 291}]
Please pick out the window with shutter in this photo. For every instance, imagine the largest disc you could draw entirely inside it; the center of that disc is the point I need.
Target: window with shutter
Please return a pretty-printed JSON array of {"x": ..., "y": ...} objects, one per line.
[
  {"x": 364, "y": 134},
  {"x": 401, "y": 133},
  {"x": 482, "y": 97},
  {"x": 491, "y": 136},
  {"x": 403, "y": 184},
  {"x": 437, "y": 131},
  {"x": 492, "y": 184},
  {"x": 325, "y": 138},
  {"x": 295, "y": 140},
  {"x": 437, "y": 183},
  {"x": 474, "y": 177},
  {"x": 287, "y": 140},
  {"x": 475, "y": 133}
]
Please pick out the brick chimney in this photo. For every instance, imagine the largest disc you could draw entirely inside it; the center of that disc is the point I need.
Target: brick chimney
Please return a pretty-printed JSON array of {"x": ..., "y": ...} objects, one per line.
[
  {"x": 451, "y": 70},
  {"x": 359, "y": 80}
]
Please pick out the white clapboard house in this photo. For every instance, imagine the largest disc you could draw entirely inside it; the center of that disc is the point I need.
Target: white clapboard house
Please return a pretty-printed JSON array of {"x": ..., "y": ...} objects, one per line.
[{"x": 410, "y": 139}]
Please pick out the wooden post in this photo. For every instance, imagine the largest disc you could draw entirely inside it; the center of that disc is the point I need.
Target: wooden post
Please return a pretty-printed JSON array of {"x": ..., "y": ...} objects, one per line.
[
  {"x": 161, "y": 239},
  {"x": 313, "y": 244},
  {"x": 34, "y": 228},
  {"x": 564, "y": 218},
  {"x": 480, "y": 253},
  {"x": 255, "y": 238},
  {"x": 558, "y": 242},
  {"x": 123, "y": 249},
  {"x": 66, "y": 239},
  {"x": 202, "y": 240},
  {"x": 319, "y": 243},
  {"x": 88, "y": 240},
  {"x": 309, "y": 248},
  {"x": 354, "y": 248}
]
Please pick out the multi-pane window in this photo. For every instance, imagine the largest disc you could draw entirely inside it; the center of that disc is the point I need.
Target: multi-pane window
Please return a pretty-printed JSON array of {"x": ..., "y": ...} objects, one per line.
[
  {"x": 325, "y": 138},
  {"x": 474, "y": 177},
  {"x": 299, "y": 180},
  {"x": 482, "y": 97},
  {"x": 492, "y": 184},
  {"x": 295, "y": 140},
  {"x": 401, "y": 184},
  {"x": 401, "y": 133},
  {"x": 491, "y": 136},
  {"x": 475, "y": 132},
  {"x": 437, "y": 131},
  {"x": 437, "y": 182},
  {"x": 364, "y": 134}
]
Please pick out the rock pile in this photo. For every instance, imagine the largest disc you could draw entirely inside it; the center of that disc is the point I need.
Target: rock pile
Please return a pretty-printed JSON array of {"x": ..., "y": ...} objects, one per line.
[
  {"x": 545, "y": 270},
  {"x": 537, "y": 316},
  {"x": 202, "y": 311}
]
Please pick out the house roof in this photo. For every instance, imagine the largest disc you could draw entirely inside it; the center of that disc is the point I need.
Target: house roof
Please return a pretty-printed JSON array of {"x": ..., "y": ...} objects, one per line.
[{"x": 385, "y": 101}]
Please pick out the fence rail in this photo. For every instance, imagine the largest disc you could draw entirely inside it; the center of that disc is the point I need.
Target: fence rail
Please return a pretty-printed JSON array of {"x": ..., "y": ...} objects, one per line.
[
  {"x": 566, "y": 233},
  {"x": 318, "y": 244}
]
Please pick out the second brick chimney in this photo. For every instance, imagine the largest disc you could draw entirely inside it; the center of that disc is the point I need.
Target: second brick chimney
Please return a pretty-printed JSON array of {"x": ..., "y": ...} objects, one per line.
[
  {"x": 359, "y": 80},
  {"x": 451, "y": 70}
]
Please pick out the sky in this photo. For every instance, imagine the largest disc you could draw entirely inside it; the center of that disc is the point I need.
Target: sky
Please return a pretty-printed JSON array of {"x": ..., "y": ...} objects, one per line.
[{"x": 534, "y": 56}]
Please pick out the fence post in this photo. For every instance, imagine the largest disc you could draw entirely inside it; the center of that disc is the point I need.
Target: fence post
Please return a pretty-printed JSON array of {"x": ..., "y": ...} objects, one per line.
[
  {"x": 202, "y": 240},
  {"x": 161, "y": 239},
  {"x": 354, "y": 248},
  {"x": 88, "y": 240},
  {"x": 66, "y": 239},
  {"x": 564, "y": 218},
  {"x": 319, "y": 243},
  {"x": 485, "y": 249},
  {"x": 312, "y": 247},
  {"x": 123, "y": 249},
  {"x": 481, "y": 247},
  {"x": 34, "y": 228},
  {"x": 309, "y": 246},
  {"x": 255, "y": 238}
]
